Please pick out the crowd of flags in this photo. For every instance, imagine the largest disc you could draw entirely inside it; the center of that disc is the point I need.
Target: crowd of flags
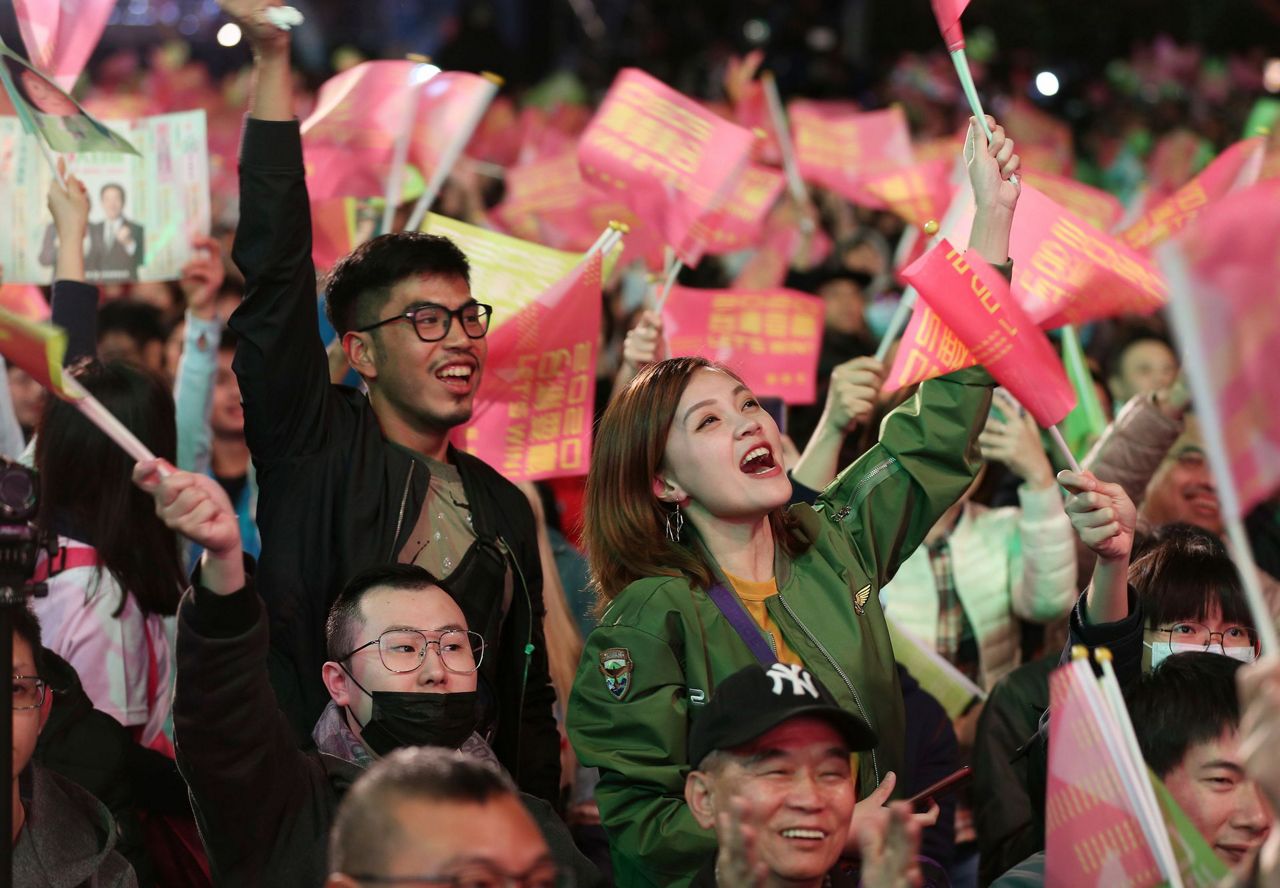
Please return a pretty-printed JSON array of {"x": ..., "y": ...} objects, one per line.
[{"x": 663, "y": 178}]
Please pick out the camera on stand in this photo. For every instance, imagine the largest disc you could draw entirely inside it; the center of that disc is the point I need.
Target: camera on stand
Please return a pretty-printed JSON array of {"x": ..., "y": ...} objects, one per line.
[{"x": 21, "y": 542}]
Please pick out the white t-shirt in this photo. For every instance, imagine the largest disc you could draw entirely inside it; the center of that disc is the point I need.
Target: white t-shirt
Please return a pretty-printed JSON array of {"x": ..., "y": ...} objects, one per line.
[{"x": 113, "y": 655}]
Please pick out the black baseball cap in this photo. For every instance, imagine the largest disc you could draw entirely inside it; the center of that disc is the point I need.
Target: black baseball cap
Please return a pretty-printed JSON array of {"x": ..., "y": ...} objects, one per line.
[{"x": 754, "y": 700}]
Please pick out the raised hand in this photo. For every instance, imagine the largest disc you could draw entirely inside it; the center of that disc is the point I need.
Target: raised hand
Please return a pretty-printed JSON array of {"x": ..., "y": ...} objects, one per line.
[
  {"x": 889, "y": 847},
  {"x": 851, "y": 397},
  {"x": 644, "y": 343},
  {"x": 991, "y": 164},
  {"x": 69, "y": 206},
  {"x": 251, "y": 16},
  {"x": 1015, "y": 441},
  {"x": 194, "y": 505},
  {"x": 202, "y": 277},
  {"x": 1101, "y": 513},
  {"x": 737, "y": 862}
]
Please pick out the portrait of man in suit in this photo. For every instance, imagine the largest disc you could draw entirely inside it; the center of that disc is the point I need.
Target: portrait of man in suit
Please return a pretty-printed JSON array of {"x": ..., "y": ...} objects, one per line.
[{"x": 116, "y": 244}]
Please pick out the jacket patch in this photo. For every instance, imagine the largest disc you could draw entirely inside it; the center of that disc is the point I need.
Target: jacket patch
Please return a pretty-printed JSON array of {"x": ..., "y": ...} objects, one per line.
[
  {"x": 860, "y": 599},
  {"x": 616, "y": 667}
]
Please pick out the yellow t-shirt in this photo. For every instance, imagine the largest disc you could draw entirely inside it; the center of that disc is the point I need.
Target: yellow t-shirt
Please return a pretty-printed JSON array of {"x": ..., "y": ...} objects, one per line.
[{"x": 753, "y": 595}]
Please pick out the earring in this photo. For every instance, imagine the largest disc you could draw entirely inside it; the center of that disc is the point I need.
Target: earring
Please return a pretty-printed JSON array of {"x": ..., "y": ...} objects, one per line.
[{"x": 675, "y": 524}]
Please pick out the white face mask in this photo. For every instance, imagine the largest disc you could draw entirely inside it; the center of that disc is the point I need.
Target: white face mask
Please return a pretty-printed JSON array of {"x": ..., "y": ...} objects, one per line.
[{"x": 1162, "y": 650}]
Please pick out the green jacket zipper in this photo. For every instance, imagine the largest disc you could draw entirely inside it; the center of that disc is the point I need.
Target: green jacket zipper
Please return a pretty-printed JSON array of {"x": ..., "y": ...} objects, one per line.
[
  {"x": 867, "y": 478},
  {"x": 875, "y": 764}
]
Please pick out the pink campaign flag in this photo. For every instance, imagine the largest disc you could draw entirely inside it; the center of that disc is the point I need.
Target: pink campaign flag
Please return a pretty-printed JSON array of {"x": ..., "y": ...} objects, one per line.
[
  {"x": 917, "y": 193},
  {"x": 1228, "y": 289},
  {"x": 739, "y": 223},
  {"x": 533, "y": 413},
  {"x": 349, "y": 139},
  {"x": 1237, "y": 167},
  {"x": 60, "y": 34},
  {"x": 948, "y": 13},
  {"x": 841, "y": 150},
  {"x": 666, "y": 157},
  {"x": 446, "y": 103},
  {"x": 1093, "y": 837},
  {"x": 975, "y": 301},
  {"x": 770, "y": 338},
  {"x": 1065, "y": 271},
  {"x": 1093, "y": 205}
]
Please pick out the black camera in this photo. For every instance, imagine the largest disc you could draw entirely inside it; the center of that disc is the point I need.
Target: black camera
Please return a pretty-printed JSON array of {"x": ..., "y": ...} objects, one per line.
[{"x": 21, "y": 542}]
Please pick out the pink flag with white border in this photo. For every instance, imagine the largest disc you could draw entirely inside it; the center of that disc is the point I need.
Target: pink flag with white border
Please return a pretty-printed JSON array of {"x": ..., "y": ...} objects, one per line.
[
  {"x": 60, "y": 34},
  {"x": 1230, "y": 284},
  {"x": 349, "y": 139},
  {"x": 770, "y": 338},
  {"x": 665, "y": 156},
  {"x": 445, "y": 104},
  {"x": 1236, "y": 167},
  {"x": 1093, "y": 837}
]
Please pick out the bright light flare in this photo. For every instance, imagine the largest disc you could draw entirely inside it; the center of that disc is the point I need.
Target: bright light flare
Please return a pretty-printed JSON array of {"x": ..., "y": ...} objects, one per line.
[
  {"x": 1047, "y": 83},
  {"x": 229, "y": 34}
]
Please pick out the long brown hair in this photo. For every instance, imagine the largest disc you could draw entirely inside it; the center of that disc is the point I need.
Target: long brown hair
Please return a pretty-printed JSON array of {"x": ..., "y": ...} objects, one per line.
[{"x": 625, "y": 528}]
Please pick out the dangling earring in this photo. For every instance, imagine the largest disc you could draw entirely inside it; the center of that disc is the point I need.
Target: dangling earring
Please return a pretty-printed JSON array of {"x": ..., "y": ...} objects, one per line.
[{"x": 675, "y": 524}]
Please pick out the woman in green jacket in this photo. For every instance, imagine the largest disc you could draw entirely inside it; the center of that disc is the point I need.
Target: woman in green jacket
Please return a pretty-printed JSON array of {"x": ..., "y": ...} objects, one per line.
[{"x": 686, "y": 506}]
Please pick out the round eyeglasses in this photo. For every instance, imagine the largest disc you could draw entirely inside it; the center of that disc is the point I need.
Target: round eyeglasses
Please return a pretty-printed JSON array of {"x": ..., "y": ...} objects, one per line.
[
  {"x": 432, "y": 322},
  {"x": 28, "y": 692},
  {"x": 403, "y": 650},
  {"x": 1196, "y": 633}
]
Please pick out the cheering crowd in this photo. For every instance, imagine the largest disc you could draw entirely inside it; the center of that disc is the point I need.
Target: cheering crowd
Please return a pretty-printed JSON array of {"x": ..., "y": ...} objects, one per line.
[{"x": 314, "y": 643}]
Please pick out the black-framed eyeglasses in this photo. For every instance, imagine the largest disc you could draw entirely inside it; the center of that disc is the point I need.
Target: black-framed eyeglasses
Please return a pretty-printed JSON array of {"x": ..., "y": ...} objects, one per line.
[
  {"x": 545, "y": 875},
  {"x": 403, "y": 650},
  {"x": 432, "y": 322},
  {"x": 28, "y": 692},
  {"x": 1197, "y": 633}
]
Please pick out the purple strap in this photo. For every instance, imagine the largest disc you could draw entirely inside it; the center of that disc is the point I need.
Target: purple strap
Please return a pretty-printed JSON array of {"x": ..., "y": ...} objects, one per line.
[{"x": 742, "y": 623}]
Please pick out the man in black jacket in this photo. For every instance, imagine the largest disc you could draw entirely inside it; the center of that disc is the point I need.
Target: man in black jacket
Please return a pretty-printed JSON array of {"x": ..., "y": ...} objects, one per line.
[{"x": 346, "y": 481}]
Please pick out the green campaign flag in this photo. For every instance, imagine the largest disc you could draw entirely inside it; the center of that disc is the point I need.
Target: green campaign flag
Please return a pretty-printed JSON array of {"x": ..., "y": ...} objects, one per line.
[
  {"x": 1263, "y": 118},
  {"x": 1200, "y": 867},
  {"x": 943, "y": 681},
  {"x": 1086, "y": 421},
  {"x": 50, "y": 114}
]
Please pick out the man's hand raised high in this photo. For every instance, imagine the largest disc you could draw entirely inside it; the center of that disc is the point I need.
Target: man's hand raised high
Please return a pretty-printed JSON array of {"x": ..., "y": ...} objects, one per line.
[
  {"x": 273, "y": 81},
  {"x": 251, "y": 16}
]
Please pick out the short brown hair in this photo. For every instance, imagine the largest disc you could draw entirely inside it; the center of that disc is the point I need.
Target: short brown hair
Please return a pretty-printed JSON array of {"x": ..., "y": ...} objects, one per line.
[{"x": 625, "y": 528}]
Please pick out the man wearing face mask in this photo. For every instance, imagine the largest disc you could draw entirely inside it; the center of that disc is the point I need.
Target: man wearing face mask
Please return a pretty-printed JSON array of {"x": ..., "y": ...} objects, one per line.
[{"x": 402, "y": 672}]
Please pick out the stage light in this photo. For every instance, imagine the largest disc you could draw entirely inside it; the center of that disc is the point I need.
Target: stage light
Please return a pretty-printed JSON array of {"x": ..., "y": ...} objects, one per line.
[
  {"x": 229, "y": 34},
  {"x": 1271, "y": 76},
  {"x": 1047, "y": 83},
  {"x": 756, "y": 31}
]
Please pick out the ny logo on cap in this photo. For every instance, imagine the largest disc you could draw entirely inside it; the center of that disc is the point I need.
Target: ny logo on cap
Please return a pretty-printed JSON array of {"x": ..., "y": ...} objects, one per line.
[{"x": 801, "y": 681}]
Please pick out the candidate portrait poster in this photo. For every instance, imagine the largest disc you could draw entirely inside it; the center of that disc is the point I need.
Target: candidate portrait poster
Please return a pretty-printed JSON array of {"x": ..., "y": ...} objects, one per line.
[{"x": 144, "y": 209}]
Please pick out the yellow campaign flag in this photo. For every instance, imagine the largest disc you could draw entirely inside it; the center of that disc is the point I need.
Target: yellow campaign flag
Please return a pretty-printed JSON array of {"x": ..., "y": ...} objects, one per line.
[
  {"x": 506, "y": 272},
  {"x": 37, "y": 348}
]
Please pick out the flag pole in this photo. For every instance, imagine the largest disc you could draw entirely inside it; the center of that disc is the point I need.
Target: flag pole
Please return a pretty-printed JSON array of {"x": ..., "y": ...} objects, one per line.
[
  {"x": 1195, "y": 364},
  {"x": 453, "y": 152},
  {"x": 780, "y": 125},
  {"x": 1055, "y": 432},
  {"x": 897, "y": 323},
  {"x": 672, "y": 271},
  {"x": 961, "y": 62},
  {"x": 105, "y": 420},
  {"x": 395, "y": 179}
]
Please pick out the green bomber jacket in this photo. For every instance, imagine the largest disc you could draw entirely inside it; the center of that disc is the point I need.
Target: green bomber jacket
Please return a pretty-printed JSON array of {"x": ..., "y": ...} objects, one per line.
[{"x": 662, "y": 645}]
